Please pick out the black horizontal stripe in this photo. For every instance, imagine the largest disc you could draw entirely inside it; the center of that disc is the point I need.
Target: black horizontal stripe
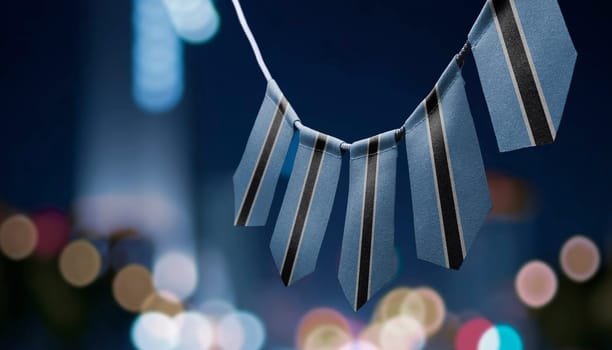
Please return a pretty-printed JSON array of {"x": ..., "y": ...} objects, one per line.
[
  {"x": 262, "y": 164},
  {"x": 303, "y": 208},
  {"x": 524, "y": 76},
  {"x": 443, "y": 179}
]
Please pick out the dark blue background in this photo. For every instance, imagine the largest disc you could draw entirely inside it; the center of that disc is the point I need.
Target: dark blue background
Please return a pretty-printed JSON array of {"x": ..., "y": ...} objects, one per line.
[{"x": 351, "y": 69}]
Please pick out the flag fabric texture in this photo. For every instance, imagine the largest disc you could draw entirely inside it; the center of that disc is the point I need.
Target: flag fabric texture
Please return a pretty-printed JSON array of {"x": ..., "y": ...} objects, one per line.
[
  {"x": 525, "y": 59},
  {"x": 257, "y": 174},
  {"x": 450, "y": 196},
  {"x": 307, "y": 205},
  {"x": 367, "y": 260}
]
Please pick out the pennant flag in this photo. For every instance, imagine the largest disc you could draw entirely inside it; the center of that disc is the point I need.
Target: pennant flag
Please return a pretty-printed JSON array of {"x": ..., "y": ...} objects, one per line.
[
  {"x": 450, "y": 196},
  {"x": 307, "y": 204},
  {"x": 367, "y": 260},
  {"x": 525, "y": 59},
  {"x": 257, "y": 175}
]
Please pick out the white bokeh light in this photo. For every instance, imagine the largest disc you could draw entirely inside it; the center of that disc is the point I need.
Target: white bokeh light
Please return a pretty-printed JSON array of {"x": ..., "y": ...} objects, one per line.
[
  {"x": 230, "y": 333},
  {"x": 490, "y": 340},
  {"x": 195, "y": 21},
  {"x": 359, "y": 345},
  {"x": 194, "y": 331},
  {"x": 402, "y": 332},
  {"x": 154, "y": 331},
  {"x": 176, "y": 273},
  {"x": 254, "y": 330}
]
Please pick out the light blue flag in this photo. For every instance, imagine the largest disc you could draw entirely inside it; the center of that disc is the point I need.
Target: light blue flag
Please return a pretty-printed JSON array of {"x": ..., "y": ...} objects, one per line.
[
  {"x": 256, "y": 177},
  {"x": 450, "y": 196},
  {"x": 367, "y": 261},
  {"x": 525, "y": 59},
  {"x": 307, "y": 205}
]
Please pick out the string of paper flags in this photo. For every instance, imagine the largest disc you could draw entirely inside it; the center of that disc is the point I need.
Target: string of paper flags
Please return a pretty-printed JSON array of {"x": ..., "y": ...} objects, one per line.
[{"x": 525, "y": 59}]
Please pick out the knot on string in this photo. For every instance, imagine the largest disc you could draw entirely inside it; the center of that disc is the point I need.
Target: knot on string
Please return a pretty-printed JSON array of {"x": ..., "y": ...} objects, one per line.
[{"x": 465, "y": 50}]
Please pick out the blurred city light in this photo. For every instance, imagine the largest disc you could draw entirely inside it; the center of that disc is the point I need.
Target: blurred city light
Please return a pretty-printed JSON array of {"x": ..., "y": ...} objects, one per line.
[
  {"x": 80, "y": 263},
  {"x": 195, "y": 21},
  {"x": 470, "y": 333},
  {"x": 391, "y": 304},
  {"x": 317, "y": 318},
  {"x": 579, "y": 258},
  {"x": 248, "y": 326},
  {"x": 490, "y": 340},
  {"x": 154, "y": 331},
  {"x": 157, "y": 58},
  {"x": 434, "y": 310},
  {"x": 53, "y": 229},
  {"x": 509, "y": 338},
  {"x": 327, "y": 337},
  {"x": 230, "y": 333},
  {"x": 536, "y": 284},
  {"x": 360, "y": 345},
  {"x": 176, "y": 272},
  {"x": 500, "y": 337},
  {"x": 132, "y": 286},
  {"x": 402, "y": 332},
  {"x": 511, "y": 198},
  {"x": 195, "y": 331},
  {"x": 162, "y": 302},
  {"x": 18, "y": 237},
  {"x": 371, "y": 334},
  {"x": 216, "y": 309}
]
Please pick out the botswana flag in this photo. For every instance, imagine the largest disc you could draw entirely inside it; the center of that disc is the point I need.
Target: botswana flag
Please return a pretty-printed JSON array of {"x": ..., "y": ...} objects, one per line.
[
  {"x": 256, "y": 177},
  {"x": 450, "y": 196},
  {"x": 525, "y": 59},
  {"x": 307, "y": 204},
  {"x": 367, "y": 260}
]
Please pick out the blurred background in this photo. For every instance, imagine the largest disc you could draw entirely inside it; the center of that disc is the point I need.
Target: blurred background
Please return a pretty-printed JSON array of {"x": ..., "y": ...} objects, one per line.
[{"x": 121, "y": 125}]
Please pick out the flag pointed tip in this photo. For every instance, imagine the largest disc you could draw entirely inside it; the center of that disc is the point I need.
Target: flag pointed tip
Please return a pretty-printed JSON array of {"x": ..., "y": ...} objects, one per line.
[{"x": 286, "y": 280}]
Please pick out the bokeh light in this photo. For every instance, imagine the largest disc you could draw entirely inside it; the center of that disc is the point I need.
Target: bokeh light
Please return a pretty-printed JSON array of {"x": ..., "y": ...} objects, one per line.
[
  {"x": 501, "y": 337},
  {"x": 195, "y": 21},
  {"x": 53, "y": 232},
  {"x": 248, "y": 326},
  {"x": 80, "y": 263},
  {"x": 490, "y": 340},
  {"x": 154, "y": 331},
  {"x": 327, "y": 337},
  {"x": 371, "y": 334},
  {"x": 216, "y": 308},
  {"x": 317, "y": 318},
  {"x": 402, "y": 332},
  {"x": 536, "y": 284},
  {"x": 412, "y": 305},
  {"x": 580, "y": 258},
  {"x": 470, "y": 333},
  {"x": 158, "y": 81},
  {"x": 360, "y": 345},
  {"x": 510, "y": 197},
  {"x": 230, "y": 333},
  {"x": 195, "y": 331},
  {"x": 162, "y": 302},
  {"x": 176, "y": 273},
  {"x": 391, "y": 304},
  {"x": 18, "y": 237},
  {"x": 433, "y": 308},
  {"x": 132, "y": 286}
]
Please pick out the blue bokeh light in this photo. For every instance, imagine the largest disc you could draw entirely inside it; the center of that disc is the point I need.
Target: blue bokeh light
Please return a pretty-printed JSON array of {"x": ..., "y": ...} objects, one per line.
[{"x": 158, "y": 81}]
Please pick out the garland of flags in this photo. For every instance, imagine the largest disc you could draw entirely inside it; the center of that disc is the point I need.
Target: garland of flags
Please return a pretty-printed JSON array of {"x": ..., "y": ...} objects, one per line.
[{"x": 525, "y": 59}]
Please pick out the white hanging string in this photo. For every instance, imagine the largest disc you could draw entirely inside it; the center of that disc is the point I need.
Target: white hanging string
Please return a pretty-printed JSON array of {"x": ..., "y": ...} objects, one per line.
[{"x": 251, "y": 38}]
